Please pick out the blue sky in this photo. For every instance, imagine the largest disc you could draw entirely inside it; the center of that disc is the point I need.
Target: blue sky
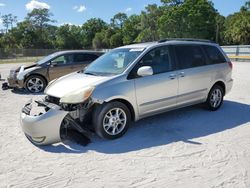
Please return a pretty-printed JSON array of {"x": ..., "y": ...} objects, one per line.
[{"x": 78, "y": 11}]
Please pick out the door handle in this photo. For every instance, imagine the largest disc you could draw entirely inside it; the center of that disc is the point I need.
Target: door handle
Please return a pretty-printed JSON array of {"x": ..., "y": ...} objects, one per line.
[
  {"x": 172, "y": 76},
  {"x": 182, "y": 74}
]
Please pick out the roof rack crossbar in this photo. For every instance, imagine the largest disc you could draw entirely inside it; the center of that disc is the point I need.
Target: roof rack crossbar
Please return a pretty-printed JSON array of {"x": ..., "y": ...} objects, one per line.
[{"x": 185, "y": 39}]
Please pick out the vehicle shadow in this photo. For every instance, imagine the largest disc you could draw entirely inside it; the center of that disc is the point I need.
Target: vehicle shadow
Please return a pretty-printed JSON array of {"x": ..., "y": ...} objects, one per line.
[
  {"x": 179, "y": 125},
  {"x": 24, "y": 92}
]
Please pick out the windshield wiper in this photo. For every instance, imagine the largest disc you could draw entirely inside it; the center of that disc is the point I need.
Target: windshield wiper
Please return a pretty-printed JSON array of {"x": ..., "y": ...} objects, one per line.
[{"x": 91, "y": 73}]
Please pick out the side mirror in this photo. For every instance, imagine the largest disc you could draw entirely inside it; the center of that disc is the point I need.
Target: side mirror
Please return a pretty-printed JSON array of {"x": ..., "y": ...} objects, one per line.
[
  {"x": 53, "y": 64},
  {"x": 145, "y": 71}
]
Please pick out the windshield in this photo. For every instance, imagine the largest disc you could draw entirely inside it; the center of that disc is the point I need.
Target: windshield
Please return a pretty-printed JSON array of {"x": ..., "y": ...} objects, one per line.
[
  {"x": 47, "y": 58},
  {"x": 113, "y": 62}
]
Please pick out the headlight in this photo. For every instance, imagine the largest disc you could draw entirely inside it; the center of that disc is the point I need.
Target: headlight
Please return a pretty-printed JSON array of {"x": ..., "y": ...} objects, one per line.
[{"x": 78, "y": 96}]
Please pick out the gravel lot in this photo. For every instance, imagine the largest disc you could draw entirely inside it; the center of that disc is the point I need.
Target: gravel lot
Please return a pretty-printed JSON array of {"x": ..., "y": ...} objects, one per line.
[{"x": 191, "y": 147}]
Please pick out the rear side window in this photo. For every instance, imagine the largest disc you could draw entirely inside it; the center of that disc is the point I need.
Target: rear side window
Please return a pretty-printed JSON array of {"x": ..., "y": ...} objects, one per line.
[
  {"x": 80, "y": 58},
  {"x": 214, "y": 55},
  {"x": 189, "y": 56},
  {"x": 91, "y": 57}
]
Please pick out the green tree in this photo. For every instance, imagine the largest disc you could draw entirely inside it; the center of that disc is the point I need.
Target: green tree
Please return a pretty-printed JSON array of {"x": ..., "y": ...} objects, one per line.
[
  {"x": 40, "y": 18},
  {"x": 172, "y": 2},
  {"x": 69, "y": 37},
  {"x": 131, "y": 29},
  {"x": 149, "y": 24},
  {"x": 118, "y": 20},
  {"x": 189, "y": 19},
  {"x": 220, "y": 29},
  {"x": 98, "y": 42},
  {"x": 102, "y": 39},
  {"x": 8, "y": 21},
  {"x": 116, "y": 40},
  {"x": 89, "y": 30},
  {"x": 238, "y": 26}
]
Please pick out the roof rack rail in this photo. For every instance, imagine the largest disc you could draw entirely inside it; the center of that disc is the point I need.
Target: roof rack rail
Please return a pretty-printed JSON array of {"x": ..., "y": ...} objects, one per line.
[{"x": 185, "y": 39}]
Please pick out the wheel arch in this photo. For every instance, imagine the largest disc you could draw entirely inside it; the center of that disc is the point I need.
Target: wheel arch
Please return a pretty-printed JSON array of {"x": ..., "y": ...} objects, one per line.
[
  {"x": 128, "y": 104},
  {"x": 221, "y": 84},
  {"x": 36, "y": 74}
]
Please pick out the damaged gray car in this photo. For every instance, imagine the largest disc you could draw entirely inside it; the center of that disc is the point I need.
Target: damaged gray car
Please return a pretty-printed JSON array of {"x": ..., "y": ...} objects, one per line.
[{"x": 128, "y": 84}]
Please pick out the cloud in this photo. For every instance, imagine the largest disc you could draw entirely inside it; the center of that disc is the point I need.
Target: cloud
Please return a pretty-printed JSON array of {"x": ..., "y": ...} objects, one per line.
[
  {"x": 2, "y": 5},
  {"x": 129, "y": 9},
  {"x": 80, "y": 8},
  {"x": 65, "y": 23},
  {"x": 36, "y": 4}
]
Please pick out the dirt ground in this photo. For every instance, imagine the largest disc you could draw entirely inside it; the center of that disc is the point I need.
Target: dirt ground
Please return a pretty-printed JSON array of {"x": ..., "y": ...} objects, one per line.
[{"x": 191, "y": 147}]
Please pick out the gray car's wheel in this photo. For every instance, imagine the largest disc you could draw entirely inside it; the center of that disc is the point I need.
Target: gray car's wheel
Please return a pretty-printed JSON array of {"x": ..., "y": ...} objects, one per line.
[
  {"x": 215, "y": 98},
  {"x": 35, "y": 84},
  {"x": 111, "y": 120}
]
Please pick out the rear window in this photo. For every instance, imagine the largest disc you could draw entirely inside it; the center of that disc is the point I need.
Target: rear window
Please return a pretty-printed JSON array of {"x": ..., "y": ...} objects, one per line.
[
  {"x": 190, "y": 56},
  {"x": 214, "y": 55}
]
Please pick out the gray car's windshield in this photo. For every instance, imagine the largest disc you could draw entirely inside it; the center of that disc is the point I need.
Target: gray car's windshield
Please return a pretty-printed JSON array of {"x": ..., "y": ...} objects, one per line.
[
  {"x": 113, "y": 62},
  {"x": 47, "y": 58}
]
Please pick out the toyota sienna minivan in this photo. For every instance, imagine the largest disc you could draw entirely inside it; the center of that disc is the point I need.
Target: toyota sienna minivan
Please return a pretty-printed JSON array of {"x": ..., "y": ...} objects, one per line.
[{"x": 130, "y": 83}]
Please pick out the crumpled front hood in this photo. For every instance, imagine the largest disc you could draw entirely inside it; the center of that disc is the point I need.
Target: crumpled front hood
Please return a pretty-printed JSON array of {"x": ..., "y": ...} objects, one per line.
[
  {"x": 25, "y": 66},
  {"x": 73, "y": 82},
  {"x": 31, "y": 66},
  {"x": 23, "y": 70}
]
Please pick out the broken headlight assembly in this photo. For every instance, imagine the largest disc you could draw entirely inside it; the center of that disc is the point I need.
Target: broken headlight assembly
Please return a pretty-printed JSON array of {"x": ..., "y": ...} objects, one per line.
[{"x": 78, "y": 96}]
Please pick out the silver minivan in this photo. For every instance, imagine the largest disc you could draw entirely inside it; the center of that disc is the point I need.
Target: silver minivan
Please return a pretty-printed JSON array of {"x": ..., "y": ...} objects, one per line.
[{"x": 130, "y": 83}]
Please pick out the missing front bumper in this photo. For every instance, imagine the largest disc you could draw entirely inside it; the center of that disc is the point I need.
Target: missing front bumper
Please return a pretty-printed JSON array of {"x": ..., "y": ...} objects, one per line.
[{"x": 13, "y": 82}]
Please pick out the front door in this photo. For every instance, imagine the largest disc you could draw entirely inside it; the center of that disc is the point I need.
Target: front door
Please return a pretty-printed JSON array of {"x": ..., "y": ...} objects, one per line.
[
  {"x": 157, "y": 92},
  {"x": 61, "y": 66}
]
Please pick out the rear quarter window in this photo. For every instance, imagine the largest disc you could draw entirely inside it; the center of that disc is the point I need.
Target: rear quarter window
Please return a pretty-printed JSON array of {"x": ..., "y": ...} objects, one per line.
[
  {"x": 81, "y": 58},
  {"x": 214, "y": 55}
]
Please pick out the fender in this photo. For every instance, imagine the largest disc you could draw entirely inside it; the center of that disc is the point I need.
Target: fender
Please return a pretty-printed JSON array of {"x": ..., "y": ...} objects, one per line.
[
  {"x": 22, "y": 73},
  {"x": 121, "y": 90}
]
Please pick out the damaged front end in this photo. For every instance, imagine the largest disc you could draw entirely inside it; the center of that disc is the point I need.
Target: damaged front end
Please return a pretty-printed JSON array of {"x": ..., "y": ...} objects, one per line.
[{"x": 56, "y": 121}]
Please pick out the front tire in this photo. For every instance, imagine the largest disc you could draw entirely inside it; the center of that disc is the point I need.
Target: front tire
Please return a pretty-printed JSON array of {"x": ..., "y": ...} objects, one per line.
[
  {"x": 111, "y": 120},
  {"x": 215, "y": 98},
  {"x": 35, "y": 84}
]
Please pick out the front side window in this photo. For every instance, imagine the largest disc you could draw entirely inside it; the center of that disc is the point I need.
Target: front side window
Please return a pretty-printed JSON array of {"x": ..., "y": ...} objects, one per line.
[
  {"x": 47, "y": 58},
  {"x": 114, "y": 62},
  {"x": 214, "y": 55},
  {"x": 158, "y": 59},
  {"x": 62, "y": 60},
  {"x": 189, "y": 56}
]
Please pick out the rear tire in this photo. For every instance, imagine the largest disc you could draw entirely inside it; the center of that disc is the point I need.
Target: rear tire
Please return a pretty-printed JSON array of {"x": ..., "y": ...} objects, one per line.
[
  {"x": 215, "y": 98},
  {"x": 111, "y": 120},
  {"x": 35, "y": 84}
]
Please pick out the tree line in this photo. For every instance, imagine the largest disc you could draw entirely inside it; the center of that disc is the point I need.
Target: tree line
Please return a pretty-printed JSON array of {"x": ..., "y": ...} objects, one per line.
[{"x": 172, "y": 19}]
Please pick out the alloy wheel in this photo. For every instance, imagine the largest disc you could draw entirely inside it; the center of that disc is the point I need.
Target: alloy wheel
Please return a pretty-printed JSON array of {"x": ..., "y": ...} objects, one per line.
[
  {"x": 216, "y": 98},
  {"x": 114, "y": 121},
  {"x": 35, "y": 85}
]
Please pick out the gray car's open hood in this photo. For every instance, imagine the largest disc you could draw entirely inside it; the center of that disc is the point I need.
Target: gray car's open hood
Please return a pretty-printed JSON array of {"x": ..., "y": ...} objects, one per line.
[{"x": 73, "y": 82}]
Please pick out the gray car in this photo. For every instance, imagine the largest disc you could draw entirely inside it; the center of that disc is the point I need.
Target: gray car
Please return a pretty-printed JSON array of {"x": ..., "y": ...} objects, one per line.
[
  {"x": 35, "y": 77},
  {"x": 130, "y": 83}
]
